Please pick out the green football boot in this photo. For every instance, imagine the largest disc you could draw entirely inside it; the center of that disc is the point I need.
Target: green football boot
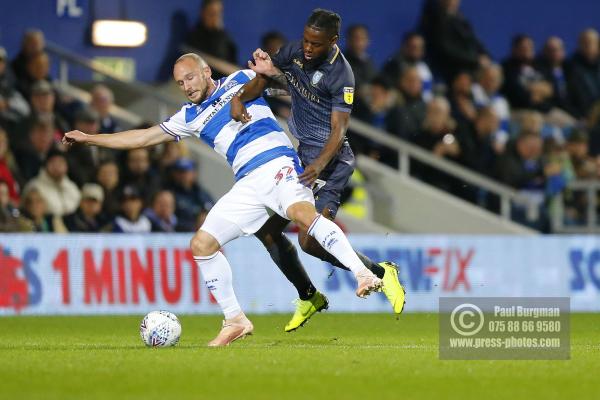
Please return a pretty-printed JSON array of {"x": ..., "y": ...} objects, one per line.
[
  {"x": 392, "y": 288},
  {"x": 305, "y": 309}
]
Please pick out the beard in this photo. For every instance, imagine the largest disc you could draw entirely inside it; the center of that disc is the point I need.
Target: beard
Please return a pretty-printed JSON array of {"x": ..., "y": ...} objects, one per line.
[{"x": 202, "y": 96}]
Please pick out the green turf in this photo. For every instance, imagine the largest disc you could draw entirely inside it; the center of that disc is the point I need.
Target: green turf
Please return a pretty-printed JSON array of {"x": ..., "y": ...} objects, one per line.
[{"x": 341, "y": 356}]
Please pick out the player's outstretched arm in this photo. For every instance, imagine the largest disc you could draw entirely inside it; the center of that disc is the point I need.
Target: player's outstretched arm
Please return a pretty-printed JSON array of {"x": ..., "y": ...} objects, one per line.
[{"x": 122, "y": 140}]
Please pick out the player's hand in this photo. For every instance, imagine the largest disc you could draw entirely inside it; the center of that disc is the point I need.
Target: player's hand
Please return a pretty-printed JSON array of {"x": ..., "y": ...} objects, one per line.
[
  {"x": 74, "y": 137},
  {"x": 238, "y": 111},
  {"x": 261, "y": 54},
  {"x": 310, "y": 174},
  {"x": 262, "y": 63}
]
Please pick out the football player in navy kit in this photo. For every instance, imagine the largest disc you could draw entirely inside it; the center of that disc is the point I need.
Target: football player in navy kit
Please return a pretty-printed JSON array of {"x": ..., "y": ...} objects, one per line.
[{"x": 321, "y": 83}]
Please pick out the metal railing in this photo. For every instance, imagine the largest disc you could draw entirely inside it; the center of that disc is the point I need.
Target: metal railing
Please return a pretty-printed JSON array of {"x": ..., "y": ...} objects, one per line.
[{"x": 67, "y": 58}]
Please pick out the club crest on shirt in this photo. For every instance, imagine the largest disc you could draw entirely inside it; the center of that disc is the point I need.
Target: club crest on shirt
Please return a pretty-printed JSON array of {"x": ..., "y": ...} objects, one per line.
[
  {"x": 316, "y": 78},
  {"x": 348, "y": 95},
  {"x": 230, "y": 84}
]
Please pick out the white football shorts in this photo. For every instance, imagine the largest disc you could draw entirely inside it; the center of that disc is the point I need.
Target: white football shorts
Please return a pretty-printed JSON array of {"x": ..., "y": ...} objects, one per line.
[{"x": 244, "y": 209}]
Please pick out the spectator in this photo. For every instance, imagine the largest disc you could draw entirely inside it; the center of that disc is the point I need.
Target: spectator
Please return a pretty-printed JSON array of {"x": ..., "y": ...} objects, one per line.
[
  {"x": 521, "y": 165},
  {"x": 411, "y": 54},
  {"x": 10, "y": 218},
  {"x": 170, "y": 152},
  {"x": 486, "y": 94},
  {"x": 551, "y": 64},
  {"x": 8, "y": 168},
  {"x": 131, "y": 219},
  {"x": 13, "y": 107},
  {"x": 584, "y": 165},
  {"x": 162, "y": 212},
  {"x": 522, "y": 168},
  {"x": 592, "y": 124},
  {"x": 524, "y": 86},
  {"x": 33, "y": 43},
  {"x": 107, "y": 176},
  {"x": 31, "y": 155},
  {"x": 451, "y": 40},
  {"x": 84, "y": 160},
  {"x": 436, "y": 138},
  {"x": 190, "y": 198},
  {"x": 272, "y": 41},
  {"x": 484, "y": 149},
  {"x": 138, "y": 172},
  {"x": 88, "y": 217},
  {"x": 584, "y": 74},
  {"x": 210, "y": 36},
  {"x": 379, "y": 108},
  {"x": 38, "y": 68},
  {"x": 102, "y": 101},
  {"x": 412, "y": 103},
  {"x": 533, "y": 122},
  {"x": 461, "y": 99},
  {"x": 34, "y": 209},
  {"x": 357, "y": 43},
  {"x": 60, "y": 193},
  {"x": 43, "y": 106},
  {"x": 558, "y": 171}
]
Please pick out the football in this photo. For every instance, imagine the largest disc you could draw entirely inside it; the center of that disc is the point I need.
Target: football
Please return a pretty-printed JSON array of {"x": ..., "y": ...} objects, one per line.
[{"x": 160, "y": 329}]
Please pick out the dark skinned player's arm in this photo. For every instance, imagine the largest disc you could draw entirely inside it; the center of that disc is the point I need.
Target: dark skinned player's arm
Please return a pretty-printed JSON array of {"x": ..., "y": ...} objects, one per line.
[
  {"x": 339, "y": 125},
  {"x": 256, "y": 86},
  {"x": 252, "y": 90}
]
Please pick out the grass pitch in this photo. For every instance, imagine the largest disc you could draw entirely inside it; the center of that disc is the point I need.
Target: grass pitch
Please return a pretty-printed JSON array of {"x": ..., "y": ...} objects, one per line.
[{"x": 335, "y": 356}]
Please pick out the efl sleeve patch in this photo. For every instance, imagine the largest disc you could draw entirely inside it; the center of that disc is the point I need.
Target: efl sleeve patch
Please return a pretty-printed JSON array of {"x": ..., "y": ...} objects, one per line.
[{"x": 348, "y": 95}]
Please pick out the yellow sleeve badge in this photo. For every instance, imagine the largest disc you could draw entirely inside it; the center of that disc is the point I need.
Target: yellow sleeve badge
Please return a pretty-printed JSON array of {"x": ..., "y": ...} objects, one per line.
[{"x": 348, "y": 95}]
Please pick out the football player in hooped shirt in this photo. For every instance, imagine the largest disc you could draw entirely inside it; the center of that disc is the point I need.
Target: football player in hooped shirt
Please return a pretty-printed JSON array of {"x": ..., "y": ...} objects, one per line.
[
  {"x": 265, "y": 167},
  {"x": 321, "y": 84}
]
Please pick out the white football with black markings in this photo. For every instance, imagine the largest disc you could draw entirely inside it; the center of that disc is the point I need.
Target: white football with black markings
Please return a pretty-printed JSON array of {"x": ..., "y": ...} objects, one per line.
[{"x": 160, "y": 329}]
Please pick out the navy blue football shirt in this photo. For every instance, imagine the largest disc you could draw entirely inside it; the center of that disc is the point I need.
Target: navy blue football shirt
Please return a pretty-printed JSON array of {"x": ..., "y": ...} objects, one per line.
[{"x": 316, "y": 91}]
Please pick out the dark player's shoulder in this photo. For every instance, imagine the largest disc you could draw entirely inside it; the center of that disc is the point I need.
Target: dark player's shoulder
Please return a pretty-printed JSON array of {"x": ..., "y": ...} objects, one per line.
[
  {"x": 341, "y": 71},
  {"x": 343, "y": 65}
]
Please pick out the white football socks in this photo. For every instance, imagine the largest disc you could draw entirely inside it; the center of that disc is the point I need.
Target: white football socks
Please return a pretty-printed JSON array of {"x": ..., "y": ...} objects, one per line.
[
  {"x": 334, "y": 241},
  {"x": 216, "y": 272}
]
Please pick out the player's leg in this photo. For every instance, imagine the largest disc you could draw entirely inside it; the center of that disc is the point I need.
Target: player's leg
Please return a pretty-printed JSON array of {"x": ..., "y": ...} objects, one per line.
[
  {"x": 334, "y": 241},
  {"x": 385, "y": 270},
  {"x": 217, "y": 230},
  {"x": 327, "y": 202},
  {"x": 285, "y": 256},
  {"x": 311, "y": 246}
]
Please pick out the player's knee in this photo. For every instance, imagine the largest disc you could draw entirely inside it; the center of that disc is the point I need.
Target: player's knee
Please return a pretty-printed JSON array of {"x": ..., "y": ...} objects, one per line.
[
  {"x": 303, "y": 214},
  {"x": 203, "y": 244}
]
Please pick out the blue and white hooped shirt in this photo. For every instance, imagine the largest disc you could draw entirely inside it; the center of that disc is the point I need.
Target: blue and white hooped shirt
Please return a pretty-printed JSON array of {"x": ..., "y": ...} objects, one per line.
[{"x": 244, "y": 146}]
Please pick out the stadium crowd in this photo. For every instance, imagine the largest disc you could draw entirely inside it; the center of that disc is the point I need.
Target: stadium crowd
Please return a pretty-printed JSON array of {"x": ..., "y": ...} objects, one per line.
[
  {"x": 44, "y": 188},
  {"x": 531, "y": 121}
]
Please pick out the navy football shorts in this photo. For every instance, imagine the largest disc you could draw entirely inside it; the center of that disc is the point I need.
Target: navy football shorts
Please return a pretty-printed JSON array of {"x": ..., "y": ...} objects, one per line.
[{"x": 336, "y": 175}]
